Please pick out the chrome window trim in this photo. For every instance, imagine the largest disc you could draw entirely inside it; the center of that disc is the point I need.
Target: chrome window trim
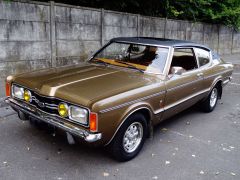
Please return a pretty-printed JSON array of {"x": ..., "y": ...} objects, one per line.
[{"x": 129, "y": 42}]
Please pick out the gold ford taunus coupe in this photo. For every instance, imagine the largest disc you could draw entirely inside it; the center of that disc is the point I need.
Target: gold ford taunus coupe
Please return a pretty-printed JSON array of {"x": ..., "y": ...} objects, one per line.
[{"x": 128, "y": 86}]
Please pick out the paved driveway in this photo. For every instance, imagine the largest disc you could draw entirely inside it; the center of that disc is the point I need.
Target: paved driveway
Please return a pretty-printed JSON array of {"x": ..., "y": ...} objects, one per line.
[{"x": 192, "y": 145}]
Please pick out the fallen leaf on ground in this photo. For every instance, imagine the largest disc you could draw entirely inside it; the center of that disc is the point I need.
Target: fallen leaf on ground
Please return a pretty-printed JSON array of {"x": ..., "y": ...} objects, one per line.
[
  {"x": 154, "y": 177},
  {"x": 225, "y": 149},
  {"x": 167, "y": 162},
  {"x": 105, "y": 174}
]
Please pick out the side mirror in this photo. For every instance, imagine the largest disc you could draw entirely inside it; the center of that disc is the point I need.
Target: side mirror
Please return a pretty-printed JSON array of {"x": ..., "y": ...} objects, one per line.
[{"x": 177, "y": 70}]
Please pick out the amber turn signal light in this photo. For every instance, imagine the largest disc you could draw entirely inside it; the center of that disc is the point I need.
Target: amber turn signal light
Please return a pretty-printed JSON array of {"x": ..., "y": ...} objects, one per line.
[
  {"x": 8, "y": 89},
  {"x": 93, "y": 122}
]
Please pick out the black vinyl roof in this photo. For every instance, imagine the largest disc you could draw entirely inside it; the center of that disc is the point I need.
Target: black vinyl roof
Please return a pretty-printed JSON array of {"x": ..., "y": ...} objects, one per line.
[{"x": 158, "y": 42}]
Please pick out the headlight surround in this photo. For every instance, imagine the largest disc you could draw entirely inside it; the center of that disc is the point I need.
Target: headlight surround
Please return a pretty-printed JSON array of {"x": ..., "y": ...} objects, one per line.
[
  {"x": 18, "y": 92},
  {"x": 78, "y": 114}
]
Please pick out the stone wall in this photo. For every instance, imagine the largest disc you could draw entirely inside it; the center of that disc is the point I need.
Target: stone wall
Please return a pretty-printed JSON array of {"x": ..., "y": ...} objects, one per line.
[{"x": 37, "y": 35}]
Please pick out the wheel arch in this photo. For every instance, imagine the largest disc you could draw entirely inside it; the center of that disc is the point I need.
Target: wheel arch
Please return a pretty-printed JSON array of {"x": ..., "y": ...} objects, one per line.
[
  {"x": 145, "y": 110},
  {"x": 217, "y": 83}
]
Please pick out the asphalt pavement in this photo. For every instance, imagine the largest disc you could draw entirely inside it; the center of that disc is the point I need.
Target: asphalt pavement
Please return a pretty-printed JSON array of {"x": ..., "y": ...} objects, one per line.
[{"x": 192, "y": 145}]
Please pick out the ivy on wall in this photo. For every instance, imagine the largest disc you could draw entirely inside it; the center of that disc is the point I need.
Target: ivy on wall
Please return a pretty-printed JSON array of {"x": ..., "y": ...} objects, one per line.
[{"x": 225, "y": 12}]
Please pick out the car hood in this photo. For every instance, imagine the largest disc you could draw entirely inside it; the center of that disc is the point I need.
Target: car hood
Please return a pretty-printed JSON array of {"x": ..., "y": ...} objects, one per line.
[{"x": 85, "y": 83}]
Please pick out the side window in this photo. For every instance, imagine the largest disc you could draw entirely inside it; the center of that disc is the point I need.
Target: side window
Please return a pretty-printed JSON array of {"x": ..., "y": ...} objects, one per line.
[
  {"x": 203, "y": 56},
  {"x": 184, "y": 58}
]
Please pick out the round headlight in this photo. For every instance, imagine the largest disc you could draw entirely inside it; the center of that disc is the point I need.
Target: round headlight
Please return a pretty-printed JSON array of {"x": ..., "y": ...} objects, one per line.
[
  {"x": 63, "y": 109},
  {"x": 27, "y": 95}
]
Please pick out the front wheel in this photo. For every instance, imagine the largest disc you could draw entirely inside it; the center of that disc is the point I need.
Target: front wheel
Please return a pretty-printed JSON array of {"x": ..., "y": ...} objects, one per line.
[
  {"x": 210, "y": 103},
  {"x": 130, "y": 138}
]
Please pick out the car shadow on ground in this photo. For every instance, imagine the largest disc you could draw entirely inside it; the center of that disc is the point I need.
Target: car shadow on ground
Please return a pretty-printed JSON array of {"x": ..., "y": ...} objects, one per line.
[{"x": 57, "y": 141}]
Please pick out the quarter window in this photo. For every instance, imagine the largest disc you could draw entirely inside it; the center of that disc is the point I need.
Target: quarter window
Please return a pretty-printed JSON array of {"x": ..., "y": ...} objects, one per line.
[{"x": 203, "y": 56}]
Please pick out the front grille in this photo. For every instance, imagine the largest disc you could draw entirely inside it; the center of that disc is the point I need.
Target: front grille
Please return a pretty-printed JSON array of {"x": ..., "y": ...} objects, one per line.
[{"x": 47, "y": 104}]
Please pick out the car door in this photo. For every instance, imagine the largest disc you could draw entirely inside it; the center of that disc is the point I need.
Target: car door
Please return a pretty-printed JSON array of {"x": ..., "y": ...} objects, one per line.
[{"x": 182, "y": 90}]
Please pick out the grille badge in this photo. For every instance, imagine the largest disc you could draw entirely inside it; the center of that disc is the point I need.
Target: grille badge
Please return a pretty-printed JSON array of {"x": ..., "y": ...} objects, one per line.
[{"x": 41, "y": 104}]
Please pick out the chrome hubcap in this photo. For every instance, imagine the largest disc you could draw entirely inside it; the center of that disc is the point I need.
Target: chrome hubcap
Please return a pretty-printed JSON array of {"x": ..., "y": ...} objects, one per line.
[
  {"x": 133, "y": 137},
  {"x": 213, "y": 97}
]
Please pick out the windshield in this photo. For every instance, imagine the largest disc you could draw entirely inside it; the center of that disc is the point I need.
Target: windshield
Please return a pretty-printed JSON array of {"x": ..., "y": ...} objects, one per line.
[{"x": 145, "y": 58}]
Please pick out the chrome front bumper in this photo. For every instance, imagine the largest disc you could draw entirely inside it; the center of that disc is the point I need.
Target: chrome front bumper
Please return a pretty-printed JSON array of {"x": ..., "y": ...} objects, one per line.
[{"x": 55, "y": 121}]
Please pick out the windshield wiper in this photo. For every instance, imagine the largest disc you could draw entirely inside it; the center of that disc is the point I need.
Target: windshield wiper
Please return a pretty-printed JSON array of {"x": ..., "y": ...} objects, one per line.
[{"x": 129, "y": 65}]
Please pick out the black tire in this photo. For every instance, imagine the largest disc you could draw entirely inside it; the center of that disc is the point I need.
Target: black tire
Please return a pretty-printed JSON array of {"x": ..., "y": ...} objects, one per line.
[
  {"x": 117, "y": 148},
  {"x": 207, "y": 105}
]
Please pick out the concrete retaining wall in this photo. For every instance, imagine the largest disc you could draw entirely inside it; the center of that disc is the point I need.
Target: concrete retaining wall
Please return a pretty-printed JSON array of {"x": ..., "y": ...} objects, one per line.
[{"x": 39, "y": 35}]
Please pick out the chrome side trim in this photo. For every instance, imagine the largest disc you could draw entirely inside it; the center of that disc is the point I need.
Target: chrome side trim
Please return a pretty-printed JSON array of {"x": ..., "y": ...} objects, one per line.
[
  {"x": 86, "y": 135},
  {"x": 207, "y": 77},
  {"x": 226, "y": 81},
  {"x": 131, "y": 102},
  {"x": 185, "y": 99},
  {"x": 183, "y": 85},
  {"x": 124, "y": 121}
]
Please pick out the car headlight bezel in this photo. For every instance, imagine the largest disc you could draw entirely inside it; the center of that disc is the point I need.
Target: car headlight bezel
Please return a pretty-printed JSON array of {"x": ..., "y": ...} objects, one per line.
[
  {"x": 20, "y": 89},
  {"x": 82, "y": 112}
]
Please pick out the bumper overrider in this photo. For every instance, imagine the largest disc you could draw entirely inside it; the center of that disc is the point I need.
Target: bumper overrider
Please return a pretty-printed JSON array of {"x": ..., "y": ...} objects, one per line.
[{"x": 55, "y": 121}]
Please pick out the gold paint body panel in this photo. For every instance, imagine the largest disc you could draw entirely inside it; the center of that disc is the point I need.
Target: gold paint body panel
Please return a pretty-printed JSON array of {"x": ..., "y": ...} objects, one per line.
[{"x": 114, "y": 93}]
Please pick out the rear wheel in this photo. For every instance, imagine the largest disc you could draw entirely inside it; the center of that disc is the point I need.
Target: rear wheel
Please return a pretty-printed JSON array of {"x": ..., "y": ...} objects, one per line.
[
  {"x": 130, "y": 138},
  {"x": 210, "y": 103}
]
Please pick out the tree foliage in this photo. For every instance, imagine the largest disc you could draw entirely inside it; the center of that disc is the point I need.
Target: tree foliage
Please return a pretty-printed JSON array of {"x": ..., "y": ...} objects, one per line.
[{"x": 212, "y": 11}]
